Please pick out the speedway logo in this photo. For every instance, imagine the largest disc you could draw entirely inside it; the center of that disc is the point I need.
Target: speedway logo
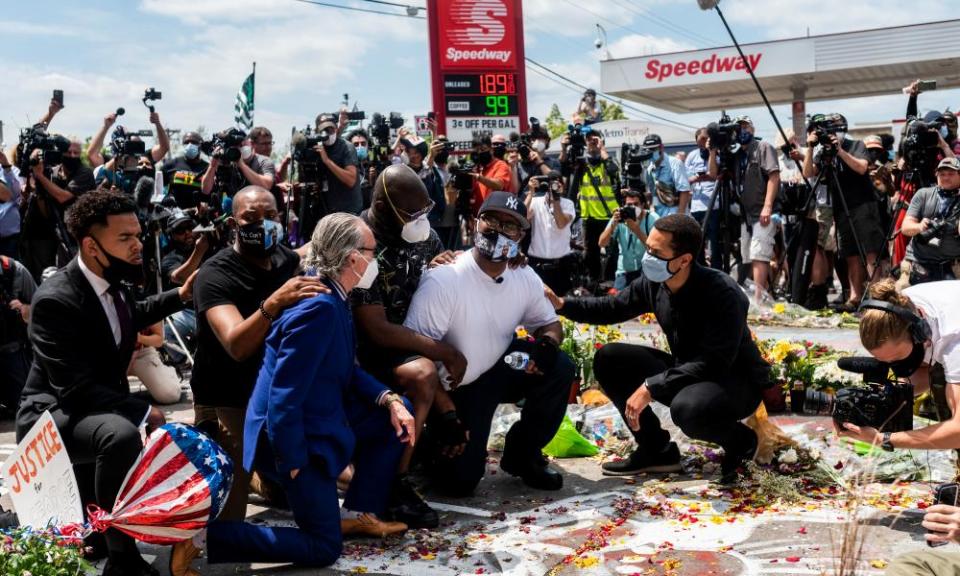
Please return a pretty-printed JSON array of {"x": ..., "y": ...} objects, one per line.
[
  {"x": 477, "y": 32},
  {"x": 660, "y": 71},
  {"x": 454, "y": 55}
]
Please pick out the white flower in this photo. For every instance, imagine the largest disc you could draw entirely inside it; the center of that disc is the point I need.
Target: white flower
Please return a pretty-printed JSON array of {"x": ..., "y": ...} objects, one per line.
[{"x": 789, "y": 457}]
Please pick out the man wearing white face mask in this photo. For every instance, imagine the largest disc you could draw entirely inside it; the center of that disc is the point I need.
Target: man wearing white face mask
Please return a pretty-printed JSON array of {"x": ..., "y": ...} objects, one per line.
[
  {"x": 395, "y": 355},
  {"x": 251, "y": 170}
]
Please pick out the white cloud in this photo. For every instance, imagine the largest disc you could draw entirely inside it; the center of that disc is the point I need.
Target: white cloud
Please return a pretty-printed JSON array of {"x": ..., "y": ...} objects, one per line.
[
  {"x": 643, "y": 45},
  {"x": 790, "y": 18}
]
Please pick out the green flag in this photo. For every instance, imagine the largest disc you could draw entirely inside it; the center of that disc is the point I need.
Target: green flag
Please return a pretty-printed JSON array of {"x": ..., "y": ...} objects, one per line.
[{"x": 244, "y": 107}]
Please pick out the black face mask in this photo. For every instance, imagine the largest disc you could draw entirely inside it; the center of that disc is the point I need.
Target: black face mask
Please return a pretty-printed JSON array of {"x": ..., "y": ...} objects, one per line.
[
  {"x": 877, "y": 156},
  {"x": 119, "y": 271},
  {"x": 483, "y": 158},
  {"x": 499, "y": 152},
  {"x": 71, "y": 164},
  {"x": 906, "y": 367},
  {"x": 594, "y": 160},
  {"x": 259, "y": 239}
]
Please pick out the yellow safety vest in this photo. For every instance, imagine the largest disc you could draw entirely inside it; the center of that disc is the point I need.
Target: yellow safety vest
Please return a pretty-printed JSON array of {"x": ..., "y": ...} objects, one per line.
[{"x": 592, "y": 200}]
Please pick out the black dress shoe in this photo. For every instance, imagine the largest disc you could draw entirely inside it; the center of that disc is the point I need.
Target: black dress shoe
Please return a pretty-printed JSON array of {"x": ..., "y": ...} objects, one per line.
[
  {"x": 664, "y": 461},
  {"x": 535, "y": 472},
  {"x": 408, "y": 506},
  {"x": 732, "y": 462}
]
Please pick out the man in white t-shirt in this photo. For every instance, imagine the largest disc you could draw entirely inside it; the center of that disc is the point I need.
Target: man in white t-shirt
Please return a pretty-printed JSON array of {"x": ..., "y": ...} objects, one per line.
[
  {"x": 551, "y": 217},
  {"x": 475, "y": 305}
]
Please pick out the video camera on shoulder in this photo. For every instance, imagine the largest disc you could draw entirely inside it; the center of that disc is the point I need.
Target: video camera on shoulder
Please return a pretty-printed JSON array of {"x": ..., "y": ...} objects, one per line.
[
  {"x": 229, "y": 142},
  {"x": 577, "y": 144},
  {"x": 127, "y": 149},
  {"x": 632, "y": 157},
  {"x": 921, "y": 141},
  {"x": 380, "y": 127},
  {"x": 724, "y": 134},
  {"x": 879, "y": 402},
  {"x": 535, "y": 132},
  {"x": 52, "y": 147}
]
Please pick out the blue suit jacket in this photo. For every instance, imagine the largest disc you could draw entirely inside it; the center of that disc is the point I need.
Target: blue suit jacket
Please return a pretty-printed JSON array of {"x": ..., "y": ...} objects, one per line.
[{"x": 308, "y": 380}]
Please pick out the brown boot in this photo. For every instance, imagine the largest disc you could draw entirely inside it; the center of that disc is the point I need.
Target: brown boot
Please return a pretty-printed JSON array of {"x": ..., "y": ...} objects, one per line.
[
  {"x": 369, "y": 525},
  {"x": 181, "y": 556}
]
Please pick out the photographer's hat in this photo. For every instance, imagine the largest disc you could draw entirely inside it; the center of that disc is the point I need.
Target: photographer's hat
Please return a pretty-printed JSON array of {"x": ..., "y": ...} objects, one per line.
[
  {"x": 743, "y": 119},
  {"x": 949, "y": 164},
  {"x": 652, "y": 141},
  {"x": 507, "y": 203},
  {"x": 326, "y": 121},
  {"x": 873, "y": 141},
  {"x": 178, "y": 219}
]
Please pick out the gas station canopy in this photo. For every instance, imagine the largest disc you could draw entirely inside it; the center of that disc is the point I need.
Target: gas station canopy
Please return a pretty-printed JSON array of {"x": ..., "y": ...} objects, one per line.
[{"x": 829, "y": 67}]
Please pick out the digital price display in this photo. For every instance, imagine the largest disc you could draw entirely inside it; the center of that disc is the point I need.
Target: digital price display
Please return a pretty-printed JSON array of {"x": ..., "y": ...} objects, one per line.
[
  {"x": 477, "y": 68},
  {"x": 485, "y": 94}
]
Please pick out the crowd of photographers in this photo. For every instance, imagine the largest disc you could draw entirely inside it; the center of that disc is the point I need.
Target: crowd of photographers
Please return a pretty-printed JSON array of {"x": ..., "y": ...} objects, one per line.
[{"x": 461, "y": 247}]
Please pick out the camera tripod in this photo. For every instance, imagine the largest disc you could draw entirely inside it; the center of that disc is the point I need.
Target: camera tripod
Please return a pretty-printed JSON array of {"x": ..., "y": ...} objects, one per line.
[
  {"x": 728, "y": 234},
  {"x": 803, "y": 245}
]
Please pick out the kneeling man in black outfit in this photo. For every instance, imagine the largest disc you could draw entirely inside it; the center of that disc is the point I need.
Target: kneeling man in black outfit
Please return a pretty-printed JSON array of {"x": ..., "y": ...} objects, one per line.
[{"x": 715, "y": 374}]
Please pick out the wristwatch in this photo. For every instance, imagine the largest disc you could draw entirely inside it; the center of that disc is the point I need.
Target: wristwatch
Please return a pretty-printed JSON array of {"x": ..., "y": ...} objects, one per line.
[{"x": 886, "y": 444}]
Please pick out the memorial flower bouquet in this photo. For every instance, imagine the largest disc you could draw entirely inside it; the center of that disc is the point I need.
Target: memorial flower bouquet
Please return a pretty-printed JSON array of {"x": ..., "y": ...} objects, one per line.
[
  {"x": 581, "y": 342},
  {"x": 41, "y": 553},
  {"x": 805, "y": 365}
]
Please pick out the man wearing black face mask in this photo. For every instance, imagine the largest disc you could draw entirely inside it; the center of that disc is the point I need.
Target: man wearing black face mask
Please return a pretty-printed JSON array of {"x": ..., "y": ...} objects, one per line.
[
  {"x": 492, "y": 174},
  {"x": 475, "y": 305},
  {"x": 240, "y": 291},
  {"x": 84, "y": 325}
]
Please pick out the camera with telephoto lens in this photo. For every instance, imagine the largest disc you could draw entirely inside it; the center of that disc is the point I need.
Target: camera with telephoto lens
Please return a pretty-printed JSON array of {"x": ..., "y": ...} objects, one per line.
[
  {"x": 939, "y": 227},
  {"x": 127, "y": 149},
  {"x": 632, "y": 157},
  {"x": 535, "y": 132},
  {"x": 547, "y": 184},
  {"x": 879, "y": 402},
  {"x": 52, "y": 147},
  {"x": 229, "y": 141},
  {"x": 723, "y": 134},
  {"x": 826, "y": 125},
  {"x": 628, "y": 213}
]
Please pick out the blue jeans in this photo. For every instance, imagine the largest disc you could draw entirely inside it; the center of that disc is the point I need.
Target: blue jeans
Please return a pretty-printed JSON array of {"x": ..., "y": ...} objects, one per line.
[
  {"x": 312, "y": 495},
  {"x": 186, "y": 323},
  {"x": 712, "y": 233}
]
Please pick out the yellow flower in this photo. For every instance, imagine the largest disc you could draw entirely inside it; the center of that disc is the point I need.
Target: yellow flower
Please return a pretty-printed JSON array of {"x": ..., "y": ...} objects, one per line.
[
  {"x": 521, "y": 332},
  {"x": 779, "y": 308}
]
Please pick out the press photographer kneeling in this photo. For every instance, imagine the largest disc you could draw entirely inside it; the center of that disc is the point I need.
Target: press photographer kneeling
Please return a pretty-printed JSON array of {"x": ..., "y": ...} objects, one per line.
[{"x": 914, "y": 333}]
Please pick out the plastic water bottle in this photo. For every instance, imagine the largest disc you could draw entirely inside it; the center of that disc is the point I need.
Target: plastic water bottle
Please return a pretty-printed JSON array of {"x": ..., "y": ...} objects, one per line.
[{"x": 517, "y": 360}]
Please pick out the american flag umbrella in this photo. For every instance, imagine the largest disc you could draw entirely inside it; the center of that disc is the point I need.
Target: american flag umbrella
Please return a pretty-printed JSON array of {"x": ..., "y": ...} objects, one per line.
[{"x": 177, "y": 486}]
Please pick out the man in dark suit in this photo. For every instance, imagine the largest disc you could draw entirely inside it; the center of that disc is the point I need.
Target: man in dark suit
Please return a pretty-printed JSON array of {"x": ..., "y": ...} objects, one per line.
[{"x": 83, "y": 329}]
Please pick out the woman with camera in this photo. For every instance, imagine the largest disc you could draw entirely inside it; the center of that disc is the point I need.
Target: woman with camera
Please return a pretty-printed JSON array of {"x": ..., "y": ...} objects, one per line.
[{"x": 917, "y": 332}]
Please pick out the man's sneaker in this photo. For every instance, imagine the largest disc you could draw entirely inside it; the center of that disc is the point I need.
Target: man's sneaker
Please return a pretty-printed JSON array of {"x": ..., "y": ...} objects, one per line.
[
  {"x": 731, "y": 463},
  {"x": 408, "y": 506},
  {"x": 535, "y": 472},
  {"x": 667, "y": 460}
]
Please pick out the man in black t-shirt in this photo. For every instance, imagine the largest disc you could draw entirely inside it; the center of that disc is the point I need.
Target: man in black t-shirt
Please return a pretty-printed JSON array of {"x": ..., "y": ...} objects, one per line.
[
  {"x": 238, "y": 294},
  {"x": 394, "y": 354},
  {"x": 856, "y": 211},
  {"x": 183, "y": 173}
]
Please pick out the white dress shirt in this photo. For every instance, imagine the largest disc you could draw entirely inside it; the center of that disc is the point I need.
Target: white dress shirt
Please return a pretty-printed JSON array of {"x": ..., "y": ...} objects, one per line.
[{"x": 100, "y": 287}]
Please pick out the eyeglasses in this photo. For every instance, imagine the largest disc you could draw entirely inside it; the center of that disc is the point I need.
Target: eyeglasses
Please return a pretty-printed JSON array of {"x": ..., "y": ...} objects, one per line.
[
  {"x": 508, "y": 228},
  {"x": 370, "y": 250}
]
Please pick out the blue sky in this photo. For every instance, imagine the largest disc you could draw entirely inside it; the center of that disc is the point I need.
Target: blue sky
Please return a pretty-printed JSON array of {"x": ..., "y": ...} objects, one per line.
[{"x": 103, "y": 53}]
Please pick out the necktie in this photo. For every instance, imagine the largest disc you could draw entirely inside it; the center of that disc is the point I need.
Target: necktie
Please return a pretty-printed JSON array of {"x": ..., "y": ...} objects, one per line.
[{"x": 123, "y": 315}]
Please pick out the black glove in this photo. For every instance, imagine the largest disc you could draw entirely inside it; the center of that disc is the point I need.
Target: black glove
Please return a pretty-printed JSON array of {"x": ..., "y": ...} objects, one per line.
[
  {"x": 544, "y": 354},
  {"x": 450, "y": 430}
]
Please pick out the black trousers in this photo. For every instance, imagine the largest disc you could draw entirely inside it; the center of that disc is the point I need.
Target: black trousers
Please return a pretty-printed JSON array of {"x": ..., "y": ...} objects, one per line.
[
  {"x": 15, "y": 359},
  {"x": 556, "y": 273},
  {"x": 545, "y": 403},
  {"x": 111, "y": 443},
  {"x": 704, "y": 411}
]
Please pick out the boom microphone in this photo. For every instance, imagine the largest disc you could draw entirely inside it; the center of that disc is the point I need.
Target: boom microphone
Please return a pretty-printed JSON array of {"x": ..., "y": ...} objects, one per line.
[
  {"x": 298, "y": 140},
  {"x": 862, "y": 365},
  {"x": 121, "y": 111}
]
